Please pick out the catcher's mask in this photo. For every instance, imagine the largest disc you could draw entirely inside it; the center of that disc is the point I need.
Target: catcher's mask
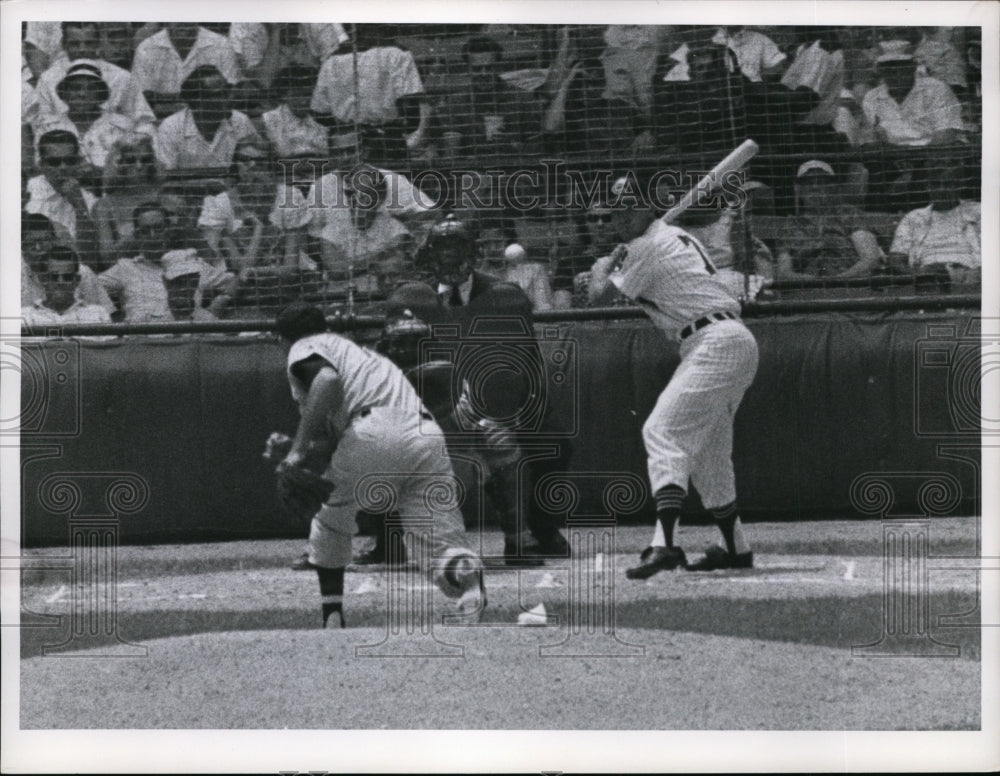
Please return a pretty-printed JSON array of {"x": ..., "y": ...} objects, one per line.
[
  {"x": 401, "y": 338},
  {"x": 449, "y": 251}
]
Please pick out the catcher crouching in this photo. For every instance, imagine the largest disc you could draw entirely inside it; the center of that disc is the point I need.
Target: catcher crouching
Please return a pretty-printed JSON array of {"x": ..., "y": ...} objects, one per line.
[{"x": 359, "y": 408}]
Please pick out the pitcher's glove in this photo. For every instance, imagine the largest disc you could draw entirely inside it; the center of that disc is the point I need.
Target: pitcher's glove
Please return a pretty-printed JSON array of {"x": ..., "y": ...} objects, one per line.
[{"x": 301, "y": 491}]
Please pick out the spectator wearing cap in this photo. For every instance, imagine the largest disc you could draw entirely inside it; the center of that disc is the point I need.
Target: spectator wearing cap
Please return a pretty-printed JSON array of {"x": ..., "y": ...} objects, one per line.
[
  {"x": 82, "y": 43},
  {"x": 137, "y": 282},
  {"x": 62, "y": 300},
  {"x": 205, "y": 133},
  {"x": 944, "y": 235},
  {"x": 164, "y": 60},
  {"x": 369, "y": 88},
  {"x": 182, "y": 279},
  {"x": 910, "y": 110},
  {"x": 828, "y": 238},
  {"x": 491, "y": 116},
  {"x": 265, "y": 49},
  {"x": 360, "y": 235},
  {"x": 291, "y": 128},
  {"x": 85, "y": 94},
  {"x": 58, "y": 195},
  {"x": 38, "y": 242}
]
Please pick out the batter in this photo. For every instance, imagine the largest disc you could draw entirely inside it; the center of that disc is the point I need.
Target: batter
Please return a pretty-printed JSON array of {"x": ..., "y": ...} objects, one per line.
[{"x": 689, "y": 434}]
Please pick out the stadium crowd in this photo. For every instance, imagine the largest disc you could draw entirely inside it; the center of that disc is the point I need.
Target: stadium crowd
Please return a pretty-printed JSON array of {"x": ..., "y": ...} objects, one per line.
[{"x": 185, "y": 171}]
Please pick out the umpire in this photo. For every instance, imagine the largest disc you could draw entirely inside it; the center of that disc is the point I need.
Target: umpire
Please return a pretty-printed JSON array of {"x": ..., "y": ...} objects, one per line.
[{"x": 496, "y": 405}]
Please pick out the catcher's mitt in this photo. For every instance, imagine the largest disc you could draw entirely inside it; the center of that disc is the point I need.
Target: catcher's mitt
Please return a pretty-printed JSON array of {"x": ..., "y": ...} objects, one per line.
[{"x": 301, "y": 491}]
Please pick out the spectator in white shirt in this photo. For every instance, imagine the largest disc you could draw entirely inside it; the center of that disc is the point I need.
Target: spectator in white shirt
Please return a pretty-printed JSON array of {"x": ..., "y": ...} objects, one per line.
[
  {"x": 265, "y": 49},
  {"x": 163, "y": 61},
  {"x": 290, "y": 127},
  {"x": 386, "y": 75},
  {"x": 206, "y": 132},
  {"x": 945, "y": 235},
  {"x": 138, "y": 281},
  {"x": 83, "y": 91},
  {"x": 907, "y": 109},
  {"x": 61, "y": 301},
  {"x": 82, "y": 42},
  {"x": 757, "y": 55},
  {"x": 38, "y": 240},
  {"x": 939, "y": 57},
  {"x": 819, "y": 66},
  {"x": 57, "y": 193},
  {"x": 346, "y": 149},
  {"x": 42, "y": 44},
  {"x": 358, "y": 238}
]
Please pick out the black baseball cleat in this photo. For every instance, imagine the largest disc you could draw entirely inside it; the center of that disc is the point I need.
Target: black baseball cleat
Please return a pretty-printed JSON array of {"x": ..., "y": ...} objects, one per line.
[
  {"x": 555, "y": 546},
  {"x": 717, "y": 558},
  {"x": 526, "y": 556},
  {"x": 654, "y": 559}
]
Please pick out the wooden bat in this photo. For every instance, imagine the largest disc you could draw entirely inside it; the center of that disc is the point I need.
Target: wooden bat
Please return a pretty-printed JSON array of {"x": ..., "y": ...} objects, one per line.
[{"x": 738, "y": 157}]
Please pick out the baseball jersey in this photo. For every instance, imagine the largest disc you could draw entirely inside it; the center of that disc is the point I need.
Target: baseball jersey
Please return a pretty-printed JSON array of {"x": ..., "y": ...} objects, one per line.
[
  {"x": 668, "y": 273},
  {"x": 368, "y": 379}
]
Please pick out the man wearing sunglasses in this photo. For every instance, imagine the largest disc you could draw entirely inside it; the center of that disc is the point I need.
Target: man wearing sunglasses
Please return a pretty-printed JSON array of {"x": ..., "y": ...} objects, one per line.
[
  {"x": 138, "y": 282},
  {"x": 38, "y": 240},
  {"x": 58, "y": 195},
  {"x": 62, "y": 301}
]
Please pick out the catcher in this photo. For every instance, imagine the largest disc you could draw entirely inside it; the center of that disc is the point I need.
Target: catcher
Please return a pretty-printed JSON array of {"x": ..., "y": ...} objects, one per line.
[
  {"x": 410, "y": 313},
  {"x": 360, "y": 412}
]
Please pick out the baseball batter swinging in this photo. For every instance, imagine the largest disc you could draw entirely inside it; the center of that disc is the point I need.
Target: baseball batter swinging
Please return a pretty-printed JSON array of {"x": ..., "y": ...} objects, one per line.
[
  {"x": 362, "y": 403},
  {"x": 689, "y": 434}
]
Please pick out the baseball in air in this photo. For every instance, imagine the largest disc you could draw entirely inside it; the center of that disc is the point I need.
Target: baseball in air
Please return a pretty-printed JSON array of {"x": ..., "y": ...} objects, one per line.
[{"x": 514, "y": 253}]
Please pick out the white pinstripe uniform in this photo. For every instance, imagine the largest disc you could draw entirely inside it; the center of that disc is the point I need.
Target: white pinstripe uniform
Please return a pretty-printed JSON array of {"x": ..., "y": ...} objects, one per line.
[
  {"x": 385, "y": 442},
  {"x": 689, "y": 434}
]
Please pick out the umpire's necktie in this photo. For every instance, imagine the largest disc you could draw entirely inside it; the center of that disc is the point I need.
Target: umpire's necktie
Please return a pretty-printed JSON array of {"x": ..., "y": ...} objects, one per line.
[{"x": 454, "y": 299}]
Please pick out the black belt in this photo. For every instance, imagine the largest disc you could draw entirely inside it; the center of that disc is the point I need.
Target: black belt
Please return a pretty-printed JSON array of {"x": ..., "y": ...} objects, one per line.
[
  {"x": 368, "y": 411},
  {"x": 702, "y": 322}
]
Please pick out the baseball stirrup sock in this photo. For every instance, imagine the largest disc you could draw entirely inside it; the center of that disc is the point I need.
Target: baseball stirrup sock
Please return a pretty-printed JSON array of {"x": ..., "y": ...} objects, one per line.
[
  {"x": 728, "y": 518},
  {"x": 331, "y": 591},
  {"x": 668, "y": 512}
]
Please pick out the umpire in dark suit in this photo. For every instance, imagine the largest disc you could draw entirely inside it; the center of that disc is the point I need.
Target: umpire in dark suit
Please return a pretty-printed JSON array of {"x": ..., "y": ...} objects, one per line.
[{"x": 499, "y": 388}]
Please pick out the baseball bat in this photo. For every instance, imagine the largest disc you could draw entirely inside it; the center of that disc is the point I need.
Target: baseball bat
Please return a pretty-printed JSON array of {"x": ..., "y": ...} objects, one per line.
[{"x": 738, "y": 157}]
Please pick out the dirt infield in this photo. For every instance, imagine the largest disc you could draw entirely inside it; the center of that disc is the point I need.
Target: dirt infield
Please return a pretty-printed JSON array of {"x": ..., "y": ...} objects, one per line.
[{"x": 225, "y": 636}]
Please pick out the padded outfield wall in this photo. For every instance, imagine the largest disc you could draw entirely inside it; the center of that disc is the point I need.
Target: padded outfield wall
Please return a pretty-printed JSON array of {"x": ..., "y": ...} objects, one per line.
[{"x": 181, "y": 420}]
